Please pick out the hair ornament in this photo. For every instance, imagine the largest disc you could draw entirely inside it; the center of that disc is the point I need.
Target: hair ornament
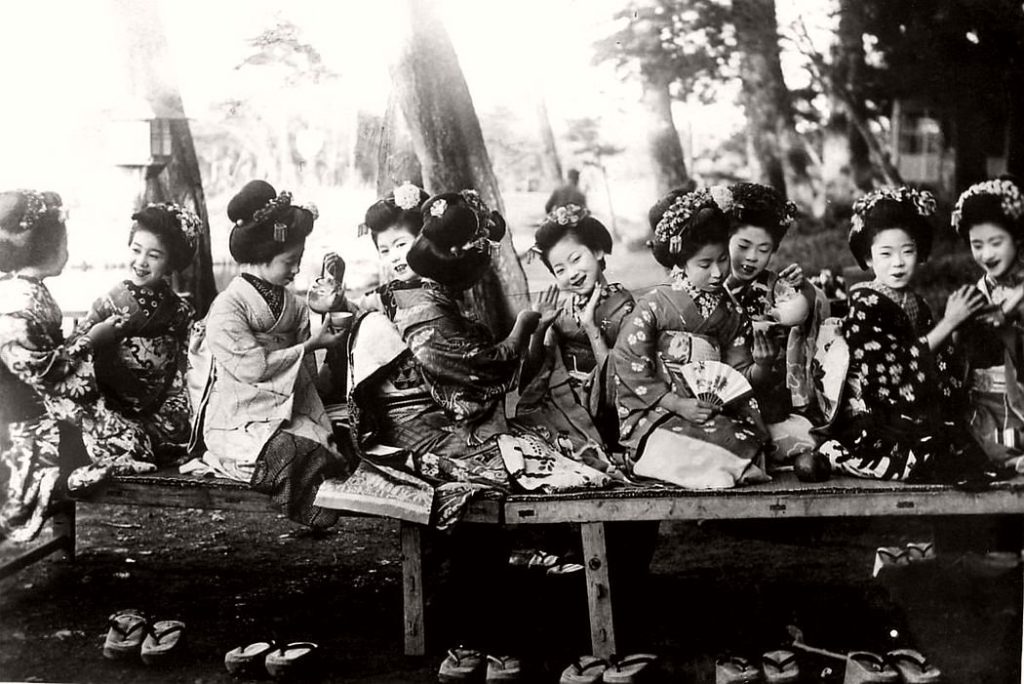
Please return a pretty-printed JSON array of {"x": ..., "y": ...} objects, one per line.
[
  {"x": 438, "y": 208},
  {"x": 284, "y": 199},
  {"x": 189, "y": 222},
  {"x": 922, "y": 201},
  {"x": 673, "y": 222},
  {"x": 35, "y": 208},
  {"x": 722, "y": 196},
  {"x": 407, "y": 196},
  {"x": 567, "y": 215},
  {"x": 1010, "y": 199}
]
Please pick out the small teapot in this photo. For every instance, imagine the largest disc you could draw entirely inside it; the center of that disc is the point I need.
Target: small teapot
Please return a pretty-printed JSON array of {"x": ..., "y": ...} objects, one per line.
[{"x": 326, "y": 295}]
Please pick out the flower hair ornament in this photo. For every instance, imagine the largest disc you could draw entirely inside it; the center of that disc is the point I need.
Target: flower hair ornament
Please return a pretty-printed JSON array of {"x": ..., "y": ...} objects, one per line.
[
  {"x": 740, "y": 199},
  {"x": 407, "y": 196},
  {"x": 922, "y": 201},
  {"x": 273, "y": 206},
  {"x": 190, "y": 223},
  {"x": 674, "y": 221},
  {"x": 35, "y": 208},
  {"x": 1010, "y": 199},
  {"x": 567, "y": 215}
]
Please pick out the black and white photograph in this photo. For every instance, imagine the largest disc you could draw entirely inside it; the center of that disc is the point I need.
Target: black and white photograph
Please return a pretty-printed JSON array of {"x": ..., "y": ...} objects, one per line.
[{"x": 498, "y": 341}]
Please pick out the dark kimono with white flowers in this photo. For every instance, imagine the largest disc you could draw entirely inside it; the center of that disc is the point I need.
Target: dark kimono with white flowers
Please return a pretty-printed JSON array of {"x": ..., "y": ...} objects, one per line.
[
  {"x": 673, "y": 325},
  {"x": 48, "y": 392},
  {"x": 900, "y": 417},
  {"x": 143, "y": 374}
]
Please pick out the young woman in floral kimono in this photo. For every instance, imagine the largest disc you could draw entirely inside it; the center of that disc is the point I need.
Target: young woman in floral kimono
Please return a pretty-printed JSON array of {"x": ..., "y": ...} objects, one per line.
[
  {"x": 791, "y": 308},
  {"x": 143, "y": 373},
  {"x": 573, "y": 390},
  {"x": 989, "y": 216},
  {"x": 901, "y": 414},
  {"x": 672, "y": 435},
  {"x": 48, "y": 393},
  {"x": 258, "y": 412}
]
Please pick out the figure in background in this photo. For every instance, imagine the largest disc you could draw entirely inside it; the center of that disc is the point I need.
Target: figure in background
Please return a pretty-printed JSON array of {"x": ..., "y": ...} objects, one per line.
[
  {"x": 567, "y": 194},
  {"x": 782, "y": 305},
  {"x": 49, "y": 400},
  {"x": 142, "y": 372},
  {"x": 687, "y": 325},
  {"x": 901, "y": 415},
  {"x": 257, "y": 410},
  {"x": 989, "y": 217}
]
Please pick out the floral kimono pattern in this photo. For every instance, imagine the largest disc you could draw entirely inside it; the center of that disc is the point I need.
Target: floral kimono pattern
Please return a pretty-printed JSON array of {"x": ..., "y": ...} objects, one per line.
[
  {"x": 996, "y": 390},
  {"x": 48, "y": 387},
  {"x": 572, "y": 393},
  {"x": 666, "y": 330},
  {"x": 258, "y": 414},
  {"x": 898, "y": 419},
  {"x": 787, "y": 397},
  {"x": 143, "y": 375},
  {"x": 439, "y": 396}
]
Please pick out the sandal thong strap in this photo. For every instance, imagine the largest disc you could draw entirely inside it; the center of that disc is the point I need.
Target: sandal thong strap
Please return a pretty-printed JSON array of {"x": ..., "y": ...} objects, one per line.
[
  {"x": 157, "y": 636},
  {"x": 500, "y": 660},
  {"x": 639, "y": 659},
  {"x": 921, "y": 663},
  {"x": 581, "y": 668},
  {"x": 779, "y": 664},
  {"x": 466, "y": 653},
  {"x": 125, "y": 633}
]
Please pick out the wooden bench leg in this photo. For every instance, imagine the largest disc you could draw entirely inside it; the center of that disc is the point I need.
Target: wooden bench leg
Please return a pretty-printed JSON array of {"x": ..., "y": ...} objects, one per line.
[
  {"x": 63, "y": 524},
  {"x": 599, "y": 594},
  {"x": 412, "y": 589}
]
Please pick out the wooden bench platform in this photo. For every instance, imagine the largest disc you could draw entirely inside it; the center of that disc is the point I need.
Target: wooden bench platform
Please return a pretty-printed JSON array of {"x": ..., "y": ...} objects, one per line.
[{"x": 785, "y": 497}]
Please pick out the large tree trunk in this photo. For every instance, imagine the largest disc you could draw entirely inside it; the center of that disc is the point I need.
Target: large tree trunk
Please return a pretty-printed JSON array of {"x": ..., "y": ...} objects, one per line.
[
  {"x": 667, "y": 158},
  {"x": 549, "y": 161},
  {"x": 396, "y": 158},
  {"x": 847, "y": 159},
  {"x": 779, "y": 156},
  {"x": 450, "y": 146},
  {"x": 152, "y": 78}
]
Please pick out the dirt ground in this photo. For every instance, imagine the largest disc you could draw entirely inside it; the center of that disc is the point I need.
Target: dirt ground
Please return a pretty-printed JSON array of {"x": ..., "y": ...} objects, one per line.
[{"x": 714, "y": 589}]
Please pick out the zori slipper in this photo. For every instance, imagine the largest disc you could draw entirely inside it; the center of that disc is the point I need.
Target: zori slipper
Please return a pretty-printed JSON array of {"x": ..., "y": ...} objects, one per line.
[
  {"x": 296, "y": 658},
  {"x": 913, "y": 667},
  {"x": 503, "y": 669},
  {"x": 863, "y": 667},
  {"x": 461, "y": 665},
  {"x": 630, "y": 669},
  {"x": 124, "y": 638},
  {"x": 735, "y": 670},
  {"x": 780, "y": 667},
  {"x": 165, "y": 639},
  {"x": 587, "y": 669},
  {"x": 246, "y": 662}
]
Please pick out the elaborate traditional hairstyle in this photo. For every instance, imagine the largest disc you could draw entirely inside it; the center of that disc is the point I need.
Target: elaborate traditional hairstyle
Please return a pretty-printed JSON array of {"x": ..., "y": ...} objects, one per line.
[
  {"x": 753, "y": 204},
  {"x": 31, "y": 224},
  {"x": 454, "y": 246},
  {"x": 997, "y": 201},
  {"x": 889, "y": 207},
  {"x": 177, "y": 227},
  {"x": 266, "y": 223},
  {"x": 400, "y": 208},
  {"x": 683, "y": 222},
  {"x": 574, "y": 220}
]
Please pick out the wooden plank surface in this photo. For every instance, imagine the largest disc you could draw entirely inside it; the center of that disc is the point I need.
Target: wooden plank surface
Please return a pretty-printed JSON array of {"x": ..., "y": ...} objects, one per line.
[
  {"x": 412, "y": 589},
  {"x": 783, "y": 498}
]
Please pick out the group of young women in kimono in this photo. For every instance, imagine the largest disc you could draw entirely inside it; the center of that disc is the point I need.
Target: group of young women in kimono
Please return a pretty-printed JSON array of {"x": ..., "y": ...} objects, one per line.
[{"x": 598, "y": 374}]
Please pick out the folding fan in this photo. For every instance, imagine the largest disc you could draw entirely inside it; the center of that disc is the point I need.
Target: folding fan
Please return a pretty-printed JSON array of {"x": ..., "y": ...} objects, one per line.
[{"x": 715, "y": 382}]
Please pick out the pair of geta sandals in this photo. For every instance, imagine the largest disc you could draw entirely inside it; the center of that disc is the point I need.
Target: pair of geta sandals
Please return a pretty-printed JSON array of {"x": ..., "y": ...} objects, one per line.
[
  {"x": 631, "y": 669},
  {"x": 131, "y": 633},
  {"x": 470, "y": 665},
  {"x": 269, "y": 658}
]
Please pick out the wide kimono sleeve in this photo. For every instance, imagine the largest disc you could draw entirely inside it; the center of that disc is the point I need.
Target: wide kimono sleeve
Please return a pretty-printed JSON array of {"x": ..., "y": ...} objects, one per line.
[
  {"x": 234, "y": 344},
  {"x": 612, "y": 314},
  {"x": 735, "y": 337},
  {"x": 30, "y": 348},
  {"x": 639, "y": 387}
]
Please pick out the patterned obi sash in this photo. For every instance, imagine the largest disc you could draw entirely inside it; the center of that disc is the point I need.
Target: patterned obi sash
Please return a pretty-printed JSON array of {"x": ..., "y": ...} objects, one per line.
[{"x": 989, "y": 380}]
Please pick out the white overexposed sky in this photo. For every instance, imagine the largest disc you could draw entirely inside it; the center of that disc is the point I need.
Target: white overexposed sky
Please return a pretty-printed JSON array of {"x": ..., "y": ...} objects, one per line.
[{"x": 64, "y": 75}]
